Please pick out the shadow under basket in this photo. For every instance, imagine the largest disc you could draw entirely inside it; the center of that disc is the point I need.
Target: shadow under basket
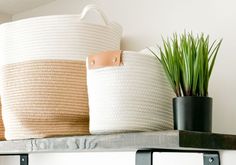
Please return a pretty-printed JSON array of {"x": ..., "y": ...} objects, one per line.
[{"x": 193, "y": 113}]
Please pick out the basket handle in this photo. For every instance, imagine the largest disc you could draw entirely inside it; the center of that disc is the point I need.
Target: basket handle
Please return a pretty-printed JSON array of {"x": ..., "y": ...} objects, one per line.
[{"x": 91, "y": 7}]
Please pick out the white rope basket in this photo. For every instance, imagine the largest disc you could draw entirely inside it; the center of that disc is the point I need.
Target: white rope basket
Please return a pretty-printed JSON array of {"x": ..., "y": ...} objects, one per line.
[
  {"x": 127, "y": 92},
  {"x": 44, "y": 72},
  {"x": 67, "y": 37}
]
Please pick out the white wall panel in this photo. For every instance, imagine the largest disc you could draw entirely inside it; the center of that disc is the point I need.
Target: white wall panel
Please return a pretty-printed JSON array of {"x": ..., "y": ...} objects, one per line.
[{"x": 86, "y": 158}]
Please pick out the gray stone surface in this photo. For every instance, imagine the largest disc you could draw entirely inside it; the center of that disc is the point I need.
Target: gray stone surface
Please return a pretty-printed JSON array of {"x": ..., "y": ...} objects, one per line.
[
  {"x": 122, "y": 142},
  {"x": 19, "y": 146}
]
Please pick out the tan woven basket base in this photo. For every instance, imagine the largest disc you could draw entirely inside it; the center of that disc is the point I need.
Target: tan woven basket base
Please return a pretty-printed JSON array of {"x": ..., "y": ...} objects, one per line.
[
  {"x": 45, "y": 98},
  {"x": 1, "y": 125}
]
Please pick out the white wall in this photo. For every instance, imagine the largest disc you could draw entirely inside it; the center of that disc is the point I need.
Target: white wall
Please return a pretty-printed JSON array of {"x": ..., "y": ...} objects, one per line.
[
  {"x": 85, "y": 158},
  {"x": 144, "y": 21}
]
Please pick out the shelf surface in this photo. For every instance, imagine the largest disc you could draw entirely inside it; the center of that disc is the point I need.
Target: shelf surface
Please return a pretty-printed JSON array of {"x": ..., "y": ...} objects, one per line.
[{"x": 123, "y": 142}]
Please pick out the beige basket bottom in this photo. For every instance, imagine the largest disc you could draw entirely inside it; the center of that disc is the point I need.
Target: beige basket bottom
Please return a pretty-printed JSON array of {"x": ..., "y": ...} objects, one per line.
[
  {"x": 45, "y": 98},
  {"x": 1, "y": 125}
]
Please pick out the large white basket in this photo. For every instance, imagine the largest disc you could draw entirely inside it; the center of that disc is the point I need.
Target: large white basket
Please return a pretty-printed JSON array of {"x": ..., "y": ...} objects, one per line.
[
  {"x": 57, "y": 37},
  {"x": 43, "y": 85},
  {"x": 127, "y": 92}
]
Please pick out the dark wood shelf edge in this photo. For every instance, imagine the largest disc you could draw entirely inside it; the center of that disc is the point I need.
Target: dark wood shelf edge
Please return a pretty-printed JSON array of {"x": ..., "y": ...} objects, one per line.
[{"x": 207, "y": 140}]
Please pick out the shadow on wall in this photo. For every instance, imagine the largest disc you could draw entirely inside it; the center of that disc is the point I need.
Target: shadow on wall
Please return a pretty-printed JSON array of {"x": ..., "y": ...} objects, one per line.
[{"x": 5, "y": 18}]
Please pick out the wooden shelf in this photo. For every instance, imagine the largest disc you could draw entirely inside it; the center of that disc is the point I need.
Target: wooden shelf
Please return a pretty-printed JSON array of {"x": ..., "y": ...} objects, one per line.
[{"x": 123, "y": 142}]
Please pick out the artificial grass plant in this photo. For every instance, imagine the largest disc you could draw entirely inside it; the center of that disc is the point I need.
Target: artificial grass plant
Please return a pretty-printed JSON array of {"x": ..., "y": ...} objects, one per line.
[{"x": 188, "y": 61}]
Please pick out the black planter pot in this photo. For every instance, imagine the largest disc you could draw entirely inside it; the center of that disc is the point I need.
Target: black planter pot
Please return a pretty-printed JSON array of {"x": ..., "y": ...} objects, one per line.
[{"x": 193, "y": 113}]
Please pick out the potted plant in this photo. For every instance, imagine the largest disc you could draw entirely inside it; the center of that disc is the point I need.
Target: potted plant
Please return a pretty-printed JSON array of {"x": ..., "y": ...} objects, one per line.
[{"x": 188, "y": 61}]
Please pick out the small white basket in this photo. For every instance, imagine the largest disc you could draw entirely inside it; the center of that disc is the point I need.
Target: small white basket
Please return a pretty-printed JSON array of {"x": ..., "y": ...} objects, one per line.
[{"x": 127, "y": 91}]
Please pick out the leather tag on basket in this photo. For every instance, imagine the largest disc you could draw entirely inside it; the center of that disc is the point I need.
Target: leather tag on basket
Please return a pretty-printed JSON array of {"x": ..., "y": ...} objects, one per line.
[{"x": 105, "y": 59}]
